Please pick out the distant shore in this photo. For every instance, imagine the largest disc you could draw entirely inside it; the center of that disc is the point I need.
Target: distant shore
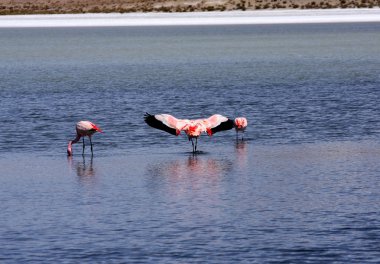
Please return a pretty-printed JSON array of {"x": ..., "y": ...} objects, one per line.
[
  {"x": 193, "y": 18},
  {"x": 23, "y": 7}
]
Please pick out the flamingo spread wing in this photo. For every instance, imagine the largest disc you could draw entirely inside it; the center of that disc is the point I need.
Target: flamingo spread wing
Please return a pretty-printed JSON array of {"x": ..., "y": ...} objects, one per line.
[
  {"x": 192, "y": 128},
  {"x": 217, "y": 123},
  {"x": 165, "y": 122}
]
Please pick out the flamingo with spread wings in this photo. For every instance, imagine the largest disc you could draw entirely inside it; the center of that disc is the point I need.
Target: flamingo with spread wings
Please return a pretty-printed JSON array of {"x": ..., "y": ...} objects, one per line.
[
  {"x": 83, "y": 128},
  {"x": 192, "y": 128}
]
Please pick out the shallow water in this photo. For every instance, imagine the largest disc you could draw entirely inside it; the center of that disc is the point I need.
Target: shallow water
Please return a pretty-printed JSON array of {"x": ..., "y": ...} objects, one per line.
[
  {"x": 245, "y": 203},
  {"x": 302, "y": 187}
]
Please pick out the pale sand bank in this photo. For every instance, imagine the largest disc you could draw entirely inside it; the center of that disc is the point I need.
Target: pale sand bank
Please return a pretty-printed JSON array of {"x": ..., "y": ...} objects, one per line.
[{"x": 194, "y": 18}]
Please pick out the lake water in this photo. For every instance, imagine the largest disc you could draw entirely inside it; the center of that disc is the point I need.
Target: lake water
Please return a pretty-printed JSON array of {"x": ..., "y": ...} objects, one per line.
[{"x": 303, "y": 187}]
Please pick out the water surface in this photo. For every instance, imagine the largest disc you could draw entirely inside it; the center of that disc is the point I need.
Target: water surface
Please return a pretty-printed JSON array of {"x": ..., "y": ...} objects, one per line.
[{"x": 301, "y": 188}]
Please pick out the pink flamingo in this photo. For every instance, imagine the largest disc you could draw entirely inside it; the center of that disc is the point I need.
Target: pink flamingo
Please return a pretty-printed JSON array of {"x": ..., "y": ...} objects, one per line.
[
  {"x": 240, "y": 124},
  {"x": 192, "y": 128},
  {"x": 83, "y": 128}
]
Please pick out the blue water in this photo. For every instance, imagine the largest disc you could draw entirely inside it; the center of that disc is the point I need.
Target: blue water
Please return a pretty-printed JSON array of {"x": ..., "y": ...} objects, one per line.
[{"x": 302, "y": 188}]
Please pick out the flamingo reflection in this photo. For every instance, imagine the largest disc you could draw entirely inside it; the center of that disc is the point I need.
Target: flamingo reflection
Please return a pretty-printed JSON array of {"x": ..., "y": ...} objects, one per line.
[
  {"x": 241, "y": 149},
  {"x": 193, "y": 172},
  {"x": 198, "y": 166},
  {"x": 82, "y": 168}
]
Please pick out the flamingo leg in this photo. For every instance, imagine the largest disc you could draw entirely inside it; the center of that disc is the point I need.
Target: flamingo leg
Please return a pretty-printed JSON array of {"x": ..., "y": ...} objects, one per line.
[
  {"x": 196, "y": 143},
  {"x": 192, "y": 143},
  {"x": 92, "y": 153},
  {"x": 83, "y": 146}
]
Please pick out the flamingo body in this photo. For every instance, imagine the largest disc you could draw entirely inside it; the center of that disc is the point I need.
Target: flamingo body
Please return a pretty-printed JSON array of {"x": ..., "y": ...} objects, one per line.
[
  {"x": 240, "y": 124},
  {"x": 83, "y": 129},
  {"x": 192, "y": 128}
]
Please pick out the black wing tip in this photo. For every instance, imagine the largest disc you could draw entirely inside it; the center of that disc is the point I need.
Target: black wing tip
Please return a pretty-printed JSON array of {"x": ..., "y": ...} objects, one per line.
[
  {"x": 148, "y": 116},
  {"x": 229, "y": 124},
  {"x": 152, "y": 121},
  {"x": 226, "y": 125}
]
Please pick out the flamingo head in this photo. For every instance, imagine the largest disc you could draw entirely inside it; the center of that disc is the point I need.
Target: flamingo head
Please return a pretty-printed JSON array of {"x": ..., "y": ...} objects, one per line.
[
  {"x": 69, "y": 149},
  {"x": 96, "y": 128},
  {"x": 240, "y": 123}
]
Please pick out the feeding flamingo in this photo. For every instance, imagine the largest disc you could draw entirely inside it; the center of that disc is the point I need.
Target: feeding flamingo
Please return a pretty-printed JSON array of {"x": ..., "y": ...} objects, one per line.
[
  {"x": 192, "y": 128},
  {"x": 83, "y": 128},
  {"x": 240, "y": 124}
]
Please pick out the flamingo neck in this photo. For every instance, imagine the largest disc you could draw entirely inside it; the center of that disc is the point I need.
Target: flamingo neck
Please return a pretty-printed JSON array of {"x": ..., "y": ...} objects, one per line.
[
  {"x": 69, "y": 149},
  {"x": 71, "y": 142},
  {"x": 76, "y": 139}
]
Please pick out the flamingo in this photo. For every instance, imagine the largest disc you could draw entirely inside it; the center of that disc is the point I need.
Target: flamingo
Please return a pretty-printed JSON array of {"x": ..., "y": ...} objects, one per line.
[
  {"x": 192, "y": 128},
  {"x": 83, "y": 128},
  {"x": 240, "y": 124}
]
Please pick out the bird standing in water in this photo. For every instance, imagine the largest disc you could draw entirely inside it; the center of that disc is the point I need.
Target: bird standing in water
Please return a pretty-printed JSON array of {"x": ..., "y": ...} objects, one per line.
[
  {"x": 83, "y": 128},
  {"x": 240, "y": 124},
  {"x": 192, "y": 128}
]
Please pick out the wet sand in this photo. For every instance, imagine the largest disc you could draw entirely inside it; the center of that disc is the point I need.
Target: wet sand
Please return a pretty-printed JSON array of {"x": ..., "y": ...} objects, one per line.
[{"x": 12, "y": 7}]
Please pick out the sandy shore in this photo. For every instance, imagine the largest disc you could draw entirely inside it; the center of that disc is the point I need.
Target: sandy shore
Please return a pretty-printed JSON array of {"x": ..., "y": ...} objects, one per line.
[
  {"x": 194, "y": 18},
  {"x": 23, "y": 7}
]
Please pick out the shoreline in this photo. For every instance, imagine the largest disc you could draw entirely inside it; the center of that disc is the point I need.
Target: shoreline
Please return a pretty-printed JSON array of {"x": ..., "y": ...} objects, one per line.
[{"x": 258, "y": 17}]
